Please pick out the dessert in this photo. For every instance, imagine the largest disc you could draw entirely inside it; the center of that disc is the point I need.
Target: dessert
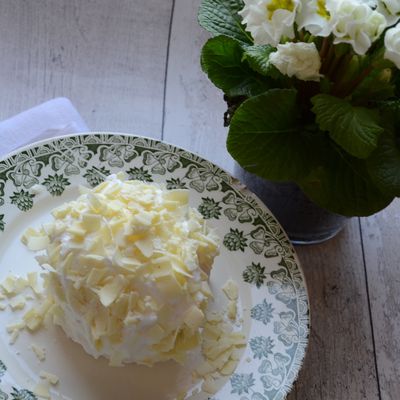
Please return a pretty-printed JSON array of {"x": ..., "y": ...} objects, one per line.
[{"x": 126, "y": 271}]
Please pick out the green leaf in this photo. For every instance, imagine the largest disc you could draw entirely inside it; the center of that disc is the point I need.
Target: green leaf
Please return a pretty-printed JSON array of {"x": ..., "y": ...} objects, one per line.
[
  {"x": 220, "y": 17},
  {"x": 390, "y": 113},
  {"x": 396, "y": 81},
  {"x": 384, "y": 164},
  {"x": 355, "y": 129},
  {"x": 376, "y": 87},
  {"x": 342, "y": 48},
  {"x": 341, "y": 184},
  {"x": 325, "y": 85},
  {"x": 258, "y": 59},
  {"x": 221, "y": 60},
  {"x": 265, "y": 139}
]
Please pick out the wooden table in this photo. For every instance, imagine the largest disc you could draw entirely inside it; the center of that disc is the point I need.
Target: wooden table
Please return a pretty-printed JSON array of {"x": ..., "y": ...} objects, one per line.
[{"x": 133, "y": 66}]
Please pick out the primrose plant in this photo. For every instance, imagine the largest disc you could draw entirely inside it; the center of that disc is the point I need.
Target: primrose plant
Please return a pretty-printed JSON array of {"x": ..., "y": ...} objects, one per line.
[{"x": 313, "y": 94}]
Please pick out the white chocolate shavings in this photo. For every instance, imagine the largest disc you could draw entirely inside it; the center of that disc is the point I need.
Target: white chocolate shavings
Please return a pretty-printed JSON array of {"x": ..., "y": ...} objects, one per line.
[
  {"x": 35, "y": 240},
  {"x": 221, "y": 346},
  {"x": 16, "y": 291},
  {"x": 232, "y": 310},
  {"x": 49, "y": 377},
  {"x": 15, "y": 326},
  {"x": 37, "y": 189},
  {"x": 14, "y": 330},
  {"x": 12, "y": 286},
  {"x": 126, "y": 270},
  {"x": 18, "y": 302},
  {"x": 209, "y": 386},
  {"x": 221, "y": 349},
  {"x": 13, "y": 336},
  {"x": 13, "y": 289},
  {"x": 42, "y": 390},
  {"x": 231, "y": 290},
  {"x": 34, "y": 318},
  {"x": 32, "y": 278},
  {"x": 40, "y": 352},
  {"x": 31, "y": 320}
]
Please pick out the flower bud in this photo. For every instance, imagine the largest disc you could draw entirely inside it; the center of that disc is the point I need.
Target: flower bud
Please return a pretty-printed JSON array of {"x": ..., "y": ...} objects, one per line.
[{"x": 297, "y": 59}]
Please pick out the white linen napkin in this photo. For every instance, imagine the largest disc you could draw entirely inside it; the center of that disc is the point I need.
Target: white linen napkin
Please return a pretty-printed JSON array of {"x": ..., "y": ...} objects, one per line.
[{"x": 56, "y": 117}]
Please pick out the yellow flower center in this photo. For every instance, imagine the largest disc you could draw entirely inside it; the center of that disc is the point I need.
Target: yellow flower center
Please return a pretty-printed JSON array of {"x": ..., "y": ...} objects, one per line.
[
  {"x": 321, "y": 9},
  {"x": 279, "y": 5}
]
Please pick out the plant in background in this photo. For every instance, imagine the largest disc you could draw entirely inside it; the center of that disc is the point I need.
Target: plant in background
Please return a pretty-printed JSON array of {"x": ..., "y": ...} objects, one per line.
[{"x": 313, "y": 94}]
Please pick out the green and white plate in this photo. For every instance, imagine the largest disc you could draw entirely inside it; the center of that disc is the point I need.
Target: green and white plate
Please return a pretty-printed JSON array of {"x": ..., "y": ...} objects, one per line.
[{"x": 255, "y": 252}]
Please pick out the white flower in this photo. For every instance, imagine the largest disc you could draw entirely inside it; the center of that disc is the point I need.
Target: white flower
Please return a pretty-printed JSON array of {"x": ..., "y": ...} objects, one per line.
[
  {"x": 297, "y": 59},
  {"x": 269, "y": 20},
  {"x": 356, "y": 23},
  {"x": 390, "y": 9},
  {"x": 392, "y": 44},
  {"x": 371, "y": 3},
  {"x": 315, "y": 17}
]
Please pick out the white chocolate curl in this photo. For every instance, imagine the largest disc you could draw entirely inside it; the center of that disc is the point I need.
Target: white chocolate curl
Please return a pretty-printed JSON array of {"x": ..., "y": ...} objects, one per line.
[{"x": 127, "y": 267}]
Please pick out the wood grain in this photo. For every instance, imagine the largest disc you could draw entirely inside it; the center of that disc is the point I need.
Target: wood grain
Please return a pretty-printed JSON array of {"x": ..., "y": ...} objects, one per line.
[
  {"x": 382, "y": 259},
  {"x": 340, "y": 361},
  {"x": 194, "y": 108},
  {"x": 107, "y": 57}
]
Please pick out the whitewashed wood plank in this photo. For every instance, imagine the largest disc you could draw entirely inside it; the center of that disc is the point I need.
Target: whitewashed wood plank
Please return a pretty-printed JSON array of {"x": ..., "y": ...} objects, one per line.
[
  {"x": 340, "y": 362},
  {"x": 194, "y": 107},
  {"x": 108, "y": 57},
  {"x": 382, "y": 257}
]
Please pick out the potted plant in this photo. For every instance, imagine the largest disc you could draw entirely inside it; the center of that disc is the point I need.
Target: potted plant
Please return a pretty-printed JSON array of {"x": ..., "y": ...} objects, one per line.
[{"x": 313, "y": 97}]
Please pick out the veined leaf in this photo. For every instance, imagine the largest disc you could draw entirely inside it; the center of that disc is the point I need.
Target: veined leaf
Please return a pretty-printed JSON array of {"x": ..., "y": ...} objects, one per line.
[
  {"x": 258, "y": 58},
  {"x": 341, "y": 184},
  {"x": 376, "y": 87},
  {"x": 264, "y": 137},
  {"x": 220, "y": 17},
  {"x": 384, "y": 164},
  {"x": 221, "y": 59},
  {"x": 355, "y": 129}
]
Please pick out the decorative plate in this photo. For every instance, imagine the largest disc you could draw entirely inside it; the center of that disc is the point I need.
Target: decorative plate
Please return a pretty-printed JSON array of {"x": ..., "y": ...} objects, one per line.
[{"x": 255, "y": 252}]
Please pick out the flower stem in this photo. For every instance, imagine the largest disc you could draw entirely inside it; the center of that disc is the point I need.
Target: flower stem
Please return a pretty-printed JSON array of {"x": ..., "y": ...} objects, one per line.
[
  {"x": 340, "y": 74},
  {"x": 360, "y": 78},
  {"x": 324, "y": 49},
  {"x": 301, "y": 36},
  {"x": 328, "y": 59},
  {"x": 332, "y": 71},
  {"x": 354, "y": 85}
]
